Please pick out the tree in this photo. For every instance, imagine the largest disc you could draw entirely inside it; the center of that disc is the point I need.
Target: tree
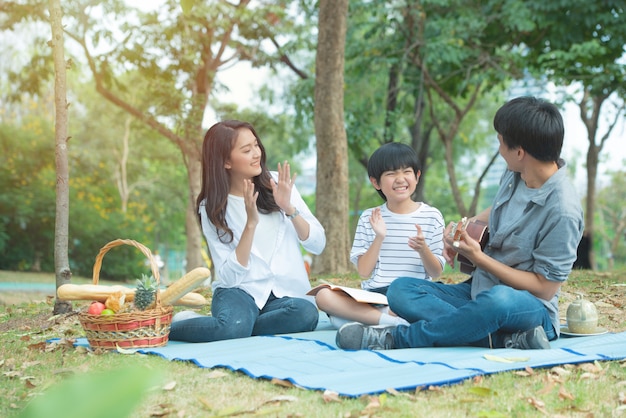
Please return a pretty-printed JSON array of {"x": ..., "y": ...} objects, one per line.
[
  {"x": 177, "y": 53},
  {"x": 591, "y": 57},
  {"x": 61, "y": 231},
  {"x": 332, "y": 148},
  {"x": 417, "y": 70}
]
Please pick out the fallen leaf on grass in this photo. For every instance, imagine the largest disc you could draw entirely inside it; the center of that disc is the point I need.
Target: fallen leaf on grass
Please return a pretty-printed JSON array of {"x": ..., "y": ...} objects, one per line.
[
  {"x": 560, "y": 371},
  {"x": 125, "y": 350},
  {"x": 591, "y": 367},
  {"x": 281, "y": 382},
  {"x": 170, "y": 386},
  {"x": 546, "y": 389},
  {"x": 216, "y": 374},
  {"x": 10, "y": 363},
  {"x": 370, "y": 410},
  {"x": 528, "y": 371},
  {"x": 506, "y": 359},
  {"x": 395, "y": 392},
  {"x": 564, "y": 394},
  {"x": 205, "y": 402},
  {"x": 282, "y": 398},
  {"x": 481, "y": 391},
  {"x": 65, "y": 371},
  {"x": 374, "y": 403},
  {"x": 231, "y": 411},
  {"x": 330, "y": 396},
  {"x": 159, "y": 411},
  {"x": 538, "y": 405},
  {"x": 28, "y": 364},
  {"x": 38, "y": 346}
]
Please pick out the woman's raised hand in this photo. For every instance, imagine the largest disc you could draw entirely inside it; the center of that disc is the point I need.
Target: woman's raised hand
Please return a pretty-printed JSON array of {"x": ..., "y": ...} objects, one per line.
[
  {"x": 282, "y": 189},
  {"x": 249, "y": 198}
]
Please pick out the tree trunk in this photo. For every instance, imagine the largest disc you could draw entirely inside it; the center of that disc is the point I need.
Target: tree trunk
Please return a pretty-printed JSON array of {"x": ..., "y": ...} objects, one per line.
[
  {"x": 590, "y": 109},
  {"x": 332, "y": 144},
  {"x": 61, "y": 228},
  {"x": 592, "y": 175},
  {"x": 192, "y": 226}
]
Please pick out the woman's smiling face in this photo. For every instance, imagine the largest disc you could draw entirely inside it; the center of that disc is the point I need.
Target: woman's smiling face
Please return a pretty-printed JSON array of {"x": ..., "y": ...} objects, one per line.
[{"x": 245, "y": 158}]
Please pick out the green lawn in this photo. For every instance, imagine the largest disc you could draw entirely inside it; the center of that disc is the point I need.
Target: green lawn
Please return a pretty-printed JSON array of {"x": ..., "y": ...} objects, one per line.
[{"x": 111, "y": 384}]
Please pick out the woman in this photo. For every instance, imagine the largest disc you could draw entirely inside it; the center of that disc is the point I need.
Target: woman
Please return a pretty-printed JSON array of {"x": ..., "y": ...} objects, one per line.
[{"x": 254, "y": 222}]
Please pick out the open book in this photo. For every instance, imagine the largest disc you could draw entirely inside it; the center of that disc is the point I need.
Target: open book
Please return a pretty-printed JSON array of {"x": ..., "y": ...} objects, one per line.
[{"x": 360, "y": 295}]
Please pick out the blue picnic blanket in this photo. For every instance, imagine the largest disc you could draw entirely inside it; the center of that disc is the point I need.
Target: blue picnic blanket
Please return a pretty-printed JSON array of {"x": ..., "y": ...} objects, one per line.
[{"x": 313, "y": 361}]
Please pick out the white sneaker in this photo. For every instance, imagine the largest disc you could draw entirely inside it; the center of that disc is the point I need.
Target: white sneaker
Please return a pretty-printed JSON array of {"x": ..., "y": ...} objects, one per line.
[
  {"x": 182, "y": 315},
  {"x": 337, "y": 322}
]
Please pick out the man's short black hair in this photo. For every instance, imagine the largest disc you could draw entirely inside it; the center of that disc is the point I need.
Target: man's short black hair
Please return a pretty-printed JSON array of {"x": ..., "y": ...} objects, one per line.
[
  {"x": 392, "y": 156},
  {"x": 532, "y": 124}
]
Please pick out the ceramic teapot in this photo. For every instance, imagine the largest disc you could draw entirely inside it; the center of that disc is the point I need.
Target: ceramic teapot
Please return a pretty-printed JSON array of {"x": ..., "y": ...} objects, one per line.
[{"x": 582, "y": 316}]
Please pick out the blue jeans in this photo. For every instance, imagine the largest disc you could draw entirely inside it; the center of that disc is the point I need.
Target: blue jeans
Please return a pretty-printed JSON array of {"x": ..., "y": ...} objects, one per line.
[
  {"x": 235, "y": 315},
  {"x": 444, "y": 315}
]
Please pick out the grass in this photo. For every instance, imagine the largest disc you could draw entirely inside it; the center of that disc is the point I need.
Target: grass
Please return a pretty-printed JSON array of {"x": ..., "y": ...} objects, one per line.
[{"x": 30, "y": 369}]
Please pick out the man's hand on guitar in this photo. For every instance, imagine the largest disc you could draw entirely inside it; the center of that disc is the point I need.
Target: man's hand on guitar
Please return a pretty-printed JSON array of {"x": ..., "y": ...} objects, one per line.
[
  {"x": 449, "y": 252},
  {"x": 458, "y": 241}
]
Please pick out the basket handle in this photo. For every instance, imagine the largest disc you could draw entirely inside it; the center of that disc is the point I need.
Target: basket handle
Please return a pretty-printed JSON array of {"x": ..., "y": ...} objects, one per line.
[{"x": 145, "y": 250}]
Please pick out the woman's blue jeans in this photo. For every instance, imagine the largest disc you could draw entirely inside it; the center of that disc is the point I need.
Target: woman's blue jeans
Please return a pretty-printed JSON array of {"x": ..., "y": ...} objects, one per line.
[
  {"x": 444, "y": 315},
  {"x": 235, "y": 315}
]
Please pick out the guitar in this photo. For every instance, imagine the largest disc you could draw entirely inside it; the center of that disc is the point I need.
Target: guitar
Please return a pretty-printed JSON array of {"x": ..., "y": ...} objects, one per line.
[{"x": 479, "y": 231}]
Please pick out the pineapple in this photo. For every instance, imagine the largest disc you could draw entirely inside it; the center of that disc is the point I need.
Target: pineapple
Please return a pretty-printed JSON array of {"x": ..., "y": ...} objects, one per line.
[{"x": 145, "y": 292}]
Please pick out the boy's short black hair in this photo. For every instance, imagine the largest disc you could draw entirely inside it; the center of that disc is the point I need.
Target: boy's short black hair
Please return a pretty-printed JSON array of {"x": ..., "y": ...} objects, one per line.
[
  {"x": 392, "y": 156},
  {"x": 532, "y": 124}
]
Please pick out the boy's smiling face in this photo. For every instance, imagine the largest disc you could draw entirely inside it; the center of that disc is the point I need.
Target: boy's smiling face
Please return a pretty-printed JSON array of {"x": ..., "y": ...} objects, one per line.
[{"x": 397, "y": 185}]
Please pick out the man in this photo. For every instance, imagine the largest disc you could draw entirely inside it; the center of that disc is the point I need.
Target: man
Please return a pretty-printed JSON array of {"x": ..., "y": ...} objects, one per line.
[{"x": 535, "y": 224}]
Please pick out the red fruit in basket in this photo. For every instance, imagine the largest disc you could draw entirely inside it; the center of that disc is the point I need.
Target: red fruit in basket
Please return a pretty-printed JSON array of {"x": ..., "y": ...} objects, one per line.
[{"x": 96, "y": 308}]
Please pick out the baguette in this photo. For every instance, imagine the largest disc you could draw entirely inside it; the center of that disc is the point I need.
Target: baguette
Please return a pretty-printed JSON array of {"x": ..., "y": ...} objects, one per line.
[
  {"x": 101, "y": 293},
  {"x": 184, "y": 285}
]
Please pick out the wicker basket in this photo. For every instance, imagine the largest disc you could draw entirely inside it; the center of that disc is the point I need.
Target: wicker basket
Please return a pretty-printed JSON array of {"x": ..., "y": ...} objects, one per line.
[{"x": 137, "y": 329}]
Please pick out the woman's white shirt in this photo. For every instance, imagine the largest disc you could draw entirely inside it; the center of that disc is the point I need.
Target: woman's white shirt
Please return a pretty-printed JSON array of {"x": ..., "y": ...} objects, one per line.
[{"x": 280, "y": 270}]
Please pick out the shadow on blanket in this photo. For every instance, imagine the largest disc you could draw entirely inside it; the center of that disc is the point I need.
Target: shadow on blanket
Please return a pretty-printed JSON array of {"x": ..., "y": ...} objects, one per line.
[{"x": 313, "y": 361}]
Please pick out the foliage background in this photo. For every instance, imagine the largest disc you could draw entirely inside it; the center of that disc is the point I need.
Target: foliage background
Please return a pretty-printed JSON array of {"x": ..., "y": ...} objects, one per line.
[{"x": 142, "y": 191}]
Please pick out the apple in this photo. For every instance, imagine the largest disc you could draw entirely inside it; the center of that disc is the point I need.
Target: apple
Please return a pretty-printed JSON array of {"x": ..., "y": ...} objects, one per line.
[
  {"x": 107, "y": 312},
  {"x": 96, "y": 308}
]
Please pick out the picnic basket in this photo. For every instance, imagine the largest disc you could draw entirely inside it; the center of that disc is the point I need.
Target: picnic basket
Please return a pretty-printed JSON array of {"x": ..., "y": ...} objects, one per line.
[{"x": 136, "y": 329}]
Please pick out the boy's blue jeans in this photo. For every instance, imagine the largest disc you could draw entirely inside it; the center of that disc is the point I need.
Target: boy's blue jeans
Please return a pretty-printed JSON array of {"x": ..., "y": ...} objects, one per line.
[
  {"x": 443, "y": 315},
  {"x": 235, "y": 315}
]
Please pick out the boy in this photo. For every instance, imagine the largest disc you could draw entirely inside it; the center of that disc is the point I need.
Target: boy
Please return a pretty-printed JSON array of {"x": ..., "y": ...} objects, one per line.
[{"x": 399, "y": 238}]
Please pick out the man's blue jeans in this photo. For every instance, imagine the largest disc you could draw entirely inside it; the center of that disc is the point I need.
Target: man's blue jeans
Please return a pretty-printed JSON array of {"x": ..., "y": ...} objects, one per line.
[
  {"x": 235, "y": 315},
  {"x": 444, "y": 315}
]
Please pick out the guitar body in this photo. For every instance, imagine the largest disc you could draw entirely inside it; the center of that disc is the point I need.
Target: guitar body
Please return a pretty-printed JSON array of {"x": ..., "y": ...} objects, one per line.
[{"x": 479, "y": 231}]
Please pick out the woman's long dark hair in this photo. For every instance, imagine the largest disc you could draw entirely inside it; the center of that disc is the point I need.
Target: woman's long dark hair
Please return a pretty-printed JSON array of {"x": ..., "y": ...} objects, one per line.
[{"x": 219, "y": 142}]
